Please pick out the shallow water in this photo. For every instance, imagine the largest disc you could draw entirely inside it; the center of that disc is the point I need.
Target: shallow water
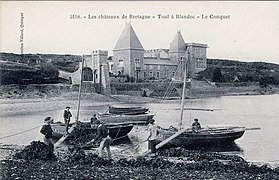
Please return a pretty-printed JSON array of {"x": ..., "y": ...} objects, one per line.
[{"x": 249, "y": 111}]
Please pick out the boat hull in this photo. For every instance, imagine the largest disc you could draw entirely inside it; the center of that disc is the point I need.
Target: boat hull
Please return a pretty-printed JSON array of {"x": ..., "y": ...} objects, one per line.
[
  {"x": 204, "y": 138},
  {"x": 85, "y": 129},
  {"x": 127, "y": 110},
  {"x": 140, "y": 119}
]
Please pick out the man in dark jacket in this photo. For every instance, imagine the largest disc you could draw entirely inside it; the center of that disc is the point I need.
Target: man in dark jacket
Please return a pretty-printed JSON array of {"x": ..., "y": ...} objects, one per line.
[
  {"x": 103, "y": 134},
  {"x": 67, "y": 118},
  {"x": 47, "y": 132},
  {"x": 196, "y": 126}
]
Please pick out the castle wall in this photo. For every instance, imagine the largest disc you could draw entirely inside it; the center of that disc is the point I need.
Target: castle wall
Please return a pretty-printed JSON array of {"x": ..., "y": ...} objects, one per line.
[
  {"x": 128, "y": 66},
  {"x": 197, "y": 58},
  {"x": 98, "y": 57},
  {"x": 158, "y": 72}
]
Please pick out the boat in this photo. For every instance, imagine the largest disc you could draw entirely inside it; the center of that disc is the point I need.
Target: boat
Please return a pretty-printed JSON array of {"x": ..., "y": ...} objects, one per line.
[
  {"x": 127, "y": 110},
  {"x": 118, "y": 129},
  {"x": 136, "y": 119},
  {"x": 204, "y": 137},
  {"x": 85, "y": 128}
]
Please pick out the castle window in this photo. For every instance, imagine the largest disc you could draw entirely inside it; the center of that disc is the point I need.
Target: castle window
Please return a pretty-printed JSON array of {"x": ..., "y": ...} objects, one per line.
[
  {"x": 137, "y": 62},
  {"x": 150, "y": 74},
  {"x": 111, "y": 67},
  {"x": 167, "y": 73},
  {"x": 158, "y": 75},
  {"x": 121, "y": 63},
  {"x": 199, "y": 63},
  {"x": 173, "y": 73}
]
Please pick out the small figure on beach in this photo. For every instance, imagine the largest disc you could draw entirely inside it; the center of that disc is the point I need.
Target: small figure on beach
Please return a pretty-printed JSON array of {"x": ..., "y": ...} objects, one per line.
[
  {"x": 93, "y": 119},
  {"x": 153, "y": 136},
  {"x": 47, "y": 132},
  {"x": 196, "y": 126},
  {"x": 103, "y": 134},
  {"x": 67, "y": 118}
]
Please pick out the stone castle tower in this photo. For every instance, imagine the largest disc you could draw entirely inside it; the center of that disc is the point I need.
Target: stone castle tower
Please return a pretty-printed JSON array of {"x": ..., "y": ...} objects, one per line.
[
  {"x": 128, "y": 54},
  {"x": 178, "y": 53},
  {"x": 100, "y": 69},
  {"x": 193, "y": 53},
  {"x": 177, "y": 48}
]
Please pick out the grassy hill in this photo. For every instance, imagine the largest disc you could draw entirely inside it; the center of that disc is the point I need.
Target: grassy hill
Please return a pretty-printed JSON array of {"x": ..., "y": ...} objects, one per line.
[
  {"x": 25, "y": 69},
  {"x": 16, "y": 69},
  {"x": 228, "y": 70}
]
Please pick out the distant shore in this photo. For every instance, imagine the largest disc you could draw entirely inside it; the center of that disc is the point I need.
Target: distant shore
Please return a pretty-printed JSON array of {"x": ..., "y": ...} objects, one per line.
[{"x": 29, "y": 92}]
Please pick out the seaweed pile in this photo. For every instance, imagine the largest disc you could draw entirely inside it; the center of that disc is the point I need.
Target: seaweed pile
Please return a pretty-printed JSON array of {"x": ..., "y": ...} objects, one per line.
[
  {"x": 36, "y": 151},
  {"x": 193, "y": 165},
  {"x": 194, "y": 160}
]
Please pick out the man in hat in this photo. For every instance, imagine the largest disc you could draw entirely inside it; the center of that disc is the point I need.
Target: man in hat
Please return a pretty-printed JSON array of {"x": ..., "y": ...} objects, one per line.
[
  {"x": 103, "y": 134},
  {"x": 47, "y": 132},
  {"x": 93, "y": 119},
  {"x": 196, "y": 126},
  {"x": 153, "y": 136},
  {"x": 67, "y": 118}
]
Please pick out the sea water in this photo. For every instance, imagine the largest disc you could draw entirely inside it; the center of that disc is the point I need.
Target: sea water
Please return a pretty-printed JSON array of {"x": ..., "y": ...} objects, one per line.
[{"x": 247, "y": 111}]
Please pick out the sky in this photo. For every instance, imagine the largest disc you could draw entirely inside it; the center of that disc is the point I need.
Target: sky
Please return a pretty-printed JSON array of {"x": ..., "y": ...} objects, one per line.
[{"x": 249, "y": 31}]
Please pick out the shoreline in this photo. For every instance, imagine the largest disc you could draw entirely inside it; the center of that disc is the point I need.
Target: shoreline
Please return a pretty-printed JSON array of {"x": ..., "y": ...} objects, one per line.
[
  {"x": 47, "y": 169},
  {"x": 174, "y": 163},
  {"x": 61, "y": 92}
]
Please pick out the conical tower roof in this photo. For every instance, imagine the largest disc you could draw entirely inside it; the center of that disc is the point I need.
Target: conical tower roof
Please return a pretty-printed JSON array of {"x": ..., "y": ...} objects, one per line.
[
  {"x": 178, "y": 44},
  {"x": 128, "y": 39}
]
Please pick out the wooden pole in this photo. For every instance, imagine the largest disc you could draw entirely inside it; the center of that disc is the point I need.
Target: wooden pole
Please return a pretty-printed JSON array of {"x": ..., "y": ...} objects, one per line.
[
  {"x": 63, "y": 138},
  {"x": 255, "y": 128},
  {"x": 170, "y": 138},
  {"x": 79, "y": 90},
  {"x": 183, "y": 96}
]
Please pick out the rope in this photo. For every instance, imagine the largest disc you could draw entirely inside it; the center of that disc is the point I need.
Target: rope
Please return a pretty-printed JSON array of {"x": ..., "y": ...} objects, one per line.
[
  {"x": 11, "y": 135},
  {"x": 172, "y": 84},
  {"x": 117, "y": 133},
  {"x": 119, "y": 138}
]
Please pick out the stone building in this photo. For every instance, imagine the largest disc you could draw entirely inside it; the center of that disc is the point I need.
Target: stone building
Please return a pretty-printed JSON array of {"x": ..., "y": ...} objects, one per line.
[
  {"x": 128, "y": 54},
  {"x": 130, "y": 58},
  {"x": 95, "y": 71}
]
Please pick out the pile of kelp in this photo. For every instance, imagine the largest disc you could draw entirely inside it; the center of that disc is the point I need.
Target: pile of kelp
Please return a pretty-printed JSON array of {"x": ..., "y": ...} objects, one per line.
[
  {"x": 193, "y": 160},
  {"x": 162, "y": 165},
  {"x": 214, "y": 161},
  {"x": 36, "y": 151},
  {"x": 78, "y": 156}
]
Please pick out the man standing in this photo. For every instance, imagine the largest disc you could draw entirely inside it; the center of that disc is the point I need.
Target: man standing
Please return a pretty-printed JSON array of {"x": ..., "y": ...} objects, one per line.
[
  {"x": 47, "y": 132},
  {"x": 103, "y": 134},
  {"x": 196, "y": 126},
  {"x": 153, "y": 131},
  {"x": 67, "y": 118}
]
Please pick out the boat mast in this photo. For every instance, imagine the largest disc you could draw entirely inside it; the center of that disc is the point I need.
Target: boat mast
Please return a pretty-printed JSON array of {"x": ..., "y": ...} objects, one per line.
[
  {"x": 183, "y": 94},
  {"x": 79, "y": 89}
]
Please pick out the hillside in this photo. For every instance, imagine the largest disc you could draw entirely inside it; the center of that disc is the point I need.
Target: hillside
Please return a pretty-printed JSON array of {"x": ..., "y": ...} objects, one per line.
[
  {"x": 220, "y": 70},
  {"x": 35, "y": 68},
  {"x": 43, "y": 68}
]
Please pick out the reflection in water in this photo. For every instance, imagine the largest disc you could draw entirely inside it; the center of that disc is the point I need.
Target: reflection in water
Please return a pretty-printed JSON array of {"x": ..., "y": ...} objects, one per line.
[{"x": 228, "y": 147}]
